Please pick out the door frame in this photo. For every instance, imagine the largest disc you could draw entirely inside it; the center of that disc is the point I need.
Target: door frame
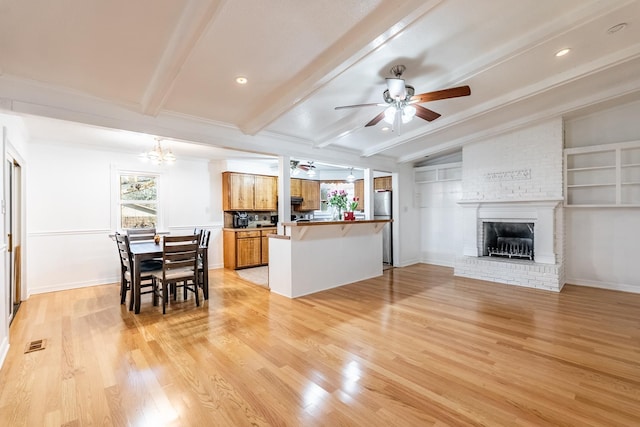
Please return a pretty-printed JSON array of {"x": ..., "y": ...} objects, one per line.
[{"x": 15, "y": 215}]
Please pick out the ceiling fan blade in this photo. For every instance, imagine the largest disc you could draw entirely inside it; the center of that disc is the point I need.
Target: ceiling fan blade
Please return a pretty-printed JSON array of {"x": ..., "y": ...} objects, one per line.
[
  {"x": 360, "y": 105},
  {"x": 375, "y": 120},
  {"x": 425, "y": 113},
  {"x": 453, "y": 92},
  {"x": 397, "y": 88}
]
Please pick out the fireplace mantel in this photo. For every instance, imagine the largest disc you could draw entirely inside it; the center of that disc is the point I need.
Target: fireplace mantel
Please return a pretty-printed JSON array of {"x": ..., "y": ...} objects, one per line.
[{"x": 540, "y": 212}]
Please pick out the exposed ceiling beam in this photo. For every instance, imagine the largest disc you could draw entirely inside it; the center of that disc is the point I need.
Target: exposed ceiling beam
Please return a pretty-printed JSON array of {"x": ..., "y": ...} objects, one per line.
[
  {"x": 196, "y": 17},
  {"x": 363, "y": 39}
]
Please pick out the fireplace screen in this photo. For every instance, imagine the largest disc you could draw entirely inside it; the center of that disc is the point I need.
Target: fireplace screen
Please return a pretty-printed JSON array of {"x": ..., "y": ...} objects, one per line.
[{"x": 508, "y": 239}]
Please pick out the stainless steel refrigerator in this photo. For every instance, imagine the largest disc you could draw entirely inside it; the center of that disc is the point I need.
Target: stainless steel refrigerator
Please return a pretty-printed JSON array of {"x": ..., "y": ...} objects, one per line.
[{"x": 382, "y": 210}]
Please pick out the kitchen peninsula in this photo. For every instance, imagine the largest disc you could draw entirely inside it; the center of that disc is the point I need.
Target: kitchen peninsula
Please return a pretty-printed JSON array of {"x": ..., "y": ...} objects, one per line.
[{"x": 313, "y": 256}]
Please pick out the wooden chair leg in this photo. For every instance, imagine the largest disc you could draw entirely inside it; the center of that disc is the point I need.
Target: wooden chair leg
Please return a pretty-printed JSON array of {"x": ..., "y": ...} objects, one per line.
[
  {"x": 123, "y": 289},
  {"x": 165, "y": 297},
  {"x": 131, "y": 297},
  {"x": 197, "y": 292}
]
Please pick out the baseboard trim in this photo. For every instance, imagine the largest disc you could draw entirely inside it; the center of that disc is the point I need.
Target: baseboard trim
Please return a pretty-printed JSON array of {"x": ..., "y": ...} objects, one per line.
[
  {"x": 438, "y": 261},
  {"x": 76, "y": 285},
  {"x": 603, "y": 285}
]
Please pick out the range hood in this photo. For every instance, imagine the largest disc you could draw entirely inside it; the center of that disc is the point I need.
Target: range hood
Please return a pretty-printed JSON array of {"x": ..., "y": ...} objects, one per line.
[{"x": 296, "y": 200}]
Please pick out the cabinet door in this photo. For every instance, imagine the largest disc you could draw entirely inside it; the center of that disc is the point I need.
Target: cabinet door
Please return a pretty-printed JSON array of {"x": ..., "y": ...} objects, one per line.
[
  {"x": 265, "y": 249},
  {"x": 266, "y": 196},
  {"x": 296, "y": 187},
  {"x": 358, "y": 191},
  {"x": 248, "y": 252},
  {"x": 310, "y": 195},
  {"x": 238, "y": 191}
]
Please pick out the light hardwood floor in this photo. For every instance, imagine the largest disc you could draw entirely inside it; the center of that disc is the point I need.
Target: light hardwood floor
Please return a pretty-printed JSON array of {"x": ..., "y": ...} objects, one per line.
[{"x": 415, "y": 347}]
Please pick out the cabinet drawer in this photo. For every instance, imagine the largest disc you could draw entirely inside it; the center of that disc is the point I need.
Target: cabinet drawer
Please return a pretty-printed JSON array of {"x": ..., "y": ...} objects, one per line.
[{"x": 247, "y": 234}]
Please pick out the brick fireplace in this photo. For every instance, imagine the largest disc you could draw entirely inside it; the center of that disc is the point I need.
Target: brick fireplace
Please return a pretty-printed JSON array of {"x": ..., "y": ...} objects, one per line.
[
  {"x": 543, "y": 271},
  {"x": 514, "y": 178}
]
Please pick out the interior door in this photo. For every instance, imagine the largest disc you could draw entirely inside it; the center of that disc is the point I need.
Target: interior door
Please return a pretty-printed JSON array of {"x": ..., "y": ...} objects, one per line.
[{"x": 13, "y": 259}]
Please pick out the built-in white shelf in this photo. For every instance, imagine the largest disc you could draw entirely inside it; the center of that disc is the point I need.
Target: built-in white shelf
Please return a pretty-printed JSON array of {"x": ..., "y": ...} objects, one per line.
[
  {"x": 438, "y": 173},
  {"x": 603, "y": 175}
]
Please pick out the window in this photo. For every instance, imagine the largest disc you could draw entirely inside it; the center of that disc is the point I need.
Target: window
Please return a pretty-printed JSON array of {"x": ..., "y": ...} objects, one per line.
[
  {"x": 327, "y": 186},
  {"x": 138, "y": 201}
]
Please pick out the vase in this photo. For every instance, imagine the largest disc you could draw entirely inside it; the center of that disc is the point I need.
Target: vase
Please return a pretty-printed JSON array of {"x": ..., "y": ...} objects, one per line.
[
  {"x": 350, "y": 216},
  {"x": 336, "y": 214}
]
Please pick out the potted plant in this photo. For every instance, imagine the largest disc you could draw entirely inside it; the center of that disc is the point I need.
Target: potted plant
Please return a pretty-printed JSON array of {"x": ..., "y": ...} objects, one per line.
[{"x": 350, "y": 215}]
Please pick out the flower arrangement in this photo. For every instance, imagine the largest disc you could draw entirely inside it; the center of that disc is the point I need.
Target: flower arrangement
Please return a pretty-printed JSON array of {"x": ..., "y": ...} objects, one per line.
[
  {"x": 353, "y": 204},
  {"x": 337, "y": 199}
]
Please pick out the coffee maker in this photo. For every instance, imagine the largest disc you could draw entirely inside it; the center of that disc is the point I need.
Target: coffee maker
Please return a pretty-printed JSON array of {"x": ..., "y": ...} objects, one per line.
[{"x": 240, "y": 220}]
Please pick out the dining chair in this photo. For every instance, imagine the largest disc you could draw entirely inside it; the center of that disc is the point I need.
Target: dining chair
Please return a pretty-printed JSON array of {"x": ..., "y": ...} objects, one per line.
[
  {"x": 179, "y": 268},
  {"x": 126, "y": 271},
  {"x": 203, "y": 267}
]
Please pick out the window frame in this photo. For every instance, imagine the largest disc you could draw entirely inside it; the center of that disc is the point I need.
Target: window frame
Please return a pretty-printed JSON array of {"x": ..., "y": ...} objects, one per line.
[{"x": 117, "y": 202}]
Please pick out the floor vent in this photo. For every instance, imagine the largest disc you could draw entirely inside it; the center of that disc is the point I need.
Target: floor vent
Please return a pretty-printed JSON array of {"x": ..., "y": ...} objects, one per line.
[{"x": 35, "y": 346}]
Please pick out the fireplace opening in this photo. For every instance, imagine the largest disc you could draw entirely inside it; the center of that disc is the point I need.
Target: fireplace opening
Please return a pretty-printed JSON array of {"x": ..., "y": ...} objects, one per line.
[{"x": 508, "y": 239}]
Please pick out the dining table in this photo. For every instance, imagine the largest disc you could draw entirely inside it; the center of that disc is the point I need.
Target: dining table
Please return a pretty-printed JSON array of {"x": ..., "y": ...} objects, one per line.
[{"x": 147, "y": 250}]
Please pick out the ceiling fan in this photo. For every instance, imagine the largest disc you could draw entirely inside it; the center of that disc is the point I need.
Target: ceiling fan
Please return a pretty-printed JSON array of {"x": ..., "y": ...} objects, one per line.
[
  {"x": 402, "y": 104},
  {"x": 297, "y": 166}
]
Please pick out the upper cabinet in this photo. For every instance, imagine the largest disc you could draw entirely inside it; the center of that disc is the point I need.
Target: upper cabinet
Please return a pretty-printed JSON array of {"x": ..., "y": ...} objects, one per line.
[
  {"x": 603, "y": 175},
  {"x": 266, "y": 193},
  {"x": 246, "y": 192},
  {"x": 382, "y": 183},
  {"x": 310, "y": 195},
  {"x": 296, "y": 187}
]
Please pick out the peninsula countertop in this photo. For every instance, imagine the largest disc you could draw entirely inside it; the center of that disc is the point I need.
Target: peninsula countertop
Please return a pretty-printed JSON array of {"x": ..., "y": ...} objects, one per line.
[{"x": 324, "y": 222}]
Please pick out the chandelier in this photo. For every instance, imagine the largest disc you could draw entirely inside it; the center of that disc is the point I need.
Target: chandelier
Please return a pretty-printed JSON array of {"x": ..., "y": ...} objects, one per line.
[{"x": 158, "y": 156}]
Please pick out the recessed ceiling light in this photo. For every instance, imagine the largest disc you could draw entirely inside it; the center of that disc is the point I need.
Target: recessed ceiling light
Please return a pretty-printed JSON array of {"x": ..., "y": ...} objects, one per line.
[
  {"x": 563, "y": 52},
  {"x": 617, "y": 28},
  {"x": 241, "y": 80},
  {"x": 384, "y": 129}
]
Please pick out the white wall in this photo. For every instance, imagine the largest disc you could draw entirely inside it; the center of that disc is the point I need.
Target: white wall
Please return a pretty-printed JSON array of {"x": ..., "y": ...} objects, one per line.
[
  {"x": 602, "y": 243},
  {"x": 71, "y": 212},
  {"x": 406, "y": 218},
  {"x": 440, "y": 215}
]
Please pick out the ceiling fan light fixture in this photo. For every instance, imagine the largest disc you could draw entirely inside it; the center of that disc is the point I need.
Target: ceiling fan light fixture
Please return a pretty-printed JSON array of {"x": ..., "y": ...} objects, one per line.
[
  {"x": 408, "y": 113},
  {"x": 390, "y": 114}
]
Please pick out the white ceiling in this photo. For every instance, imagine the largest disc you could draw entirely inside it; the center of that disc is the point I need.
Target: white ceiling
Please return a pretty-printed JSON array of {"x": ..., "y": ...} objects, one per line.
[{"x": 167, "y": 67}]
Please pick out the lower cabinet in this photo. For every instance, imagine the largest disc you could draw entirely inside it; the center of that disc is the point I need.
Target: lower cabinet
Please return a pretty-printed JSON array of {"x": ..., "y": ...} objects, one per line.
[{"x": 246, "y": 248}]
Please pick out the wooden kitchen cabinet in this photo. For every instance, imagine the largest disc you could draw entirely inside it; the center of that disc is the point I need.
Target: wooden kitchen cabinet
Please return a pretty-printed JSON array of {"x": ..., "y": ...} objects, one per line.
[
  {"x": 382, "y": 183},
  {"x": 296, "y": 187},
  {"x": 266, "y": 193},
  {"x": 246, "y": 248},
  {"x": 247, "y": 192},
  {"x": 310, "y": 195},
  {"x": 265, "y": 245},
  {"x": 238, "y": 191}
]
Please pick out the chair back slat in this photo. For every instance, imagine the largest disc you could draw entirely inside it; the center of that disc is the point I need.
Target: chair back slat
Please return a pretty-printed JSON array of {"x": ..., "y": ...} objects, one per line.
[{"x": 141, "y": 234}]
